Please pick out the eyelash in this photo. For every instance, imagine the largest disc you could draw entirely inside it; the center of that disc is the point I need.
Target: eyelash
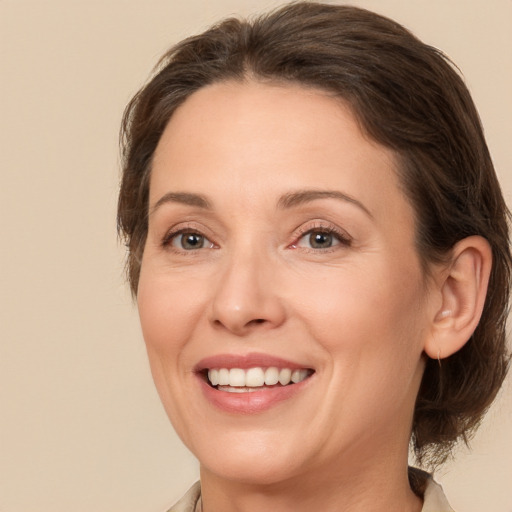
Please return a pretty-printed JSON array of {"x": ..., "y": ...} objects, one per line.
[
  {"x": 173, "y": 234},
  {"x": 319, "y": 228}
]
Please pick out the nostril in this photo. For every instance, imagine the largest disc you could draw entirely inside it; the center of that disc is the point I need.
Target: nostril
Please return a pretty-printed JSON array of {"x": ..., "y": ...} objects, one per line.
[{"x": 257, "y": 321}]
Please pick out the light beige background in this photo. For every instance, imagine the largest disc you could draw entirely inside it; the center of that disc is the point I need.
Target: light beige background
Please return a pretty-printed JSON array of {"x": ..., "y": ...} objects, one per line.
[{"x": 81, "y": 427}]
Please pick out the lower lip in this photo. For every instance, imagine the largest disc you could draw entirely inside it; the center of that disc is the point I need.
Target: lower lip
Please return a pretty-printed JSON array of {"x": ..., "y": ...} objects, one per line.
[{"x": 251, "y": 402}]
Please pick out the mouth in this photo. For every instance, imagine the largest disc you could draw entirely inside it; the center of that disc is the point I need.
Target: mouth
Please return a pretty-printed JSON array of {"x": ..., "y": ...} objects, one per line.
[
  {"x": 257, "y": 378},
  {"x": 251, "y": 383}
]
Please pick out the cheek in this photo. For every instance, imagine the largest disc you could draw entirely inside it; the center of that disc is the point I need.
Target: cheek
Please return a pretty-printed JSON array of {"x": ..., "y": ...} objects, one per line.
[
  {"x": 168, "y": 310},
  {"x": 168, "y": 317},
  {"x": 375, "y": 308}
]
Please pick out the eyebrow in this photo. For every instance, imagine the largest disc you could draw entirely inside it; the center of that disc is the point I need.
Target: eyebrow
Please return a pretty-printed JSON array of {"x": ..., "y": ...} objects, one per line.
[
  {"x": 186, "y": 198},
  {"x": 305, "y": 196},
  {"x": 286, "y": 201}
]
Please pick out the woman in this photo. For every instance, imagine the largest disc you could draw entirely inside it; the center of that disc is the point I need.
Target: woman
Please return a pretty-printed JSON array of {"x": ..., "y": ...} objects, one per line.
[{"x": 319, "y": 249}]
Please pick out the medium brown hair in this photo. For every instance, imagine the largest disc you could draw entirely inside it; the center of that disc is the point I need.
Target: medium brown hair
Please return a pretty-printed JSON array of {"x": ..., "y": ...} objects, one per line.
[{"x": 407, "y": 96}]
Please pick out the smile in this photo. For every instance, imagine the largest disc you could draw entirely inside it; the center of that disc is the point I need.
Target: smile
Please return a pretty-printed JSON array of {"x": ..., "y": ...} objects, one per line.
[
  {"x": 251, "y": 383},
  {"x": 238, "y": 380}
]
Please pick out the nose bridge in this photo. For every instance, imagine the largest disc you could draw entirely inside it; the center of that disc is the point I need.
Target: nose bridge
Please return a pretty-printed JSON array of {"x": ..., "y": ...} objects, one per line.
[{"x": 245, "y": 296}]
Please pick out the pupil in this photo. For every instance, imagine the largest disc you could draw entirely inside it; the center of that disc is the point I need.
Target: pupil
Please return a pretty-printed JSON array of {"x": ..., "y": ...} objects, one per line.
[
  {"x": 320, "y": 240},
  {"x": 191, "y": 241}
]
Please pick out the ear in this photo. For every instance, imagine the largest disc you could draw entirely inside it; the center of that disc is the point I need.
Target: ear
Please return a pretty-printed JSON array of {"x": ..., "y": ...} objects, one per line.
[{"x": 463, "y": 287}]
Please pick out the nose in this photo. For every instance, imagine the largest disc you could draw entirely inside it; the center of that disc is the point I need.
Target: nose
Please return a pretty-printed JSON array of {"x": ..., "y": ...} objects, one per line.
[{"x": 246, "y": 297}]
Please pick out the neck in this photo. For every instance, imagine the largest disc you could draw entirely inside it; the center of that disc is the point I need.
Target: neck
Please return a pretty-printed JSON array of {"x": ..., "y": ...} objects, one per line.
[{"x": 353, "y": 488}]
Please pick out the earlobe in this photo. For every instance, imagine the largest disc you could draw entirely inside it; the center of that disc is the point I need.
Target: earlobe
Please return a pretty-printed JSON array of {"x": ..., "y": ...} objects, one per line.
[{"x": 463, "y": 289}]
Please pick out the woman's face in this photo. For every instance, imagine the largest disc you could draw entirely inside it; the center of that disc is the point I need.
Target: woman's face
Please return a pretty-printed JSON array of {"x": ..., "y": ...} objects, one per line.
[{"x": 280, "y": 246}]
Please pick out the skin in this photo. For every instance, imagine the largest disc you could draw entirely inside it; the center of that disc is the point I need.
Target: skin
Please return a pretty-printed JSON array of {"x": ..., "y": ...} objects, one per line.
[{"x": 359, "y": 312}]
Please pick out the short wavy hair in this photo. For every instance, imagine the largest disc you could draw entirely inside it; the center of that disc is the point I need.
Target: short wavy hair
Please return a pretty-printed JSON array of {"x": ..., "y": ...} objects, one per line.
[{"x": 406, "y": 96}]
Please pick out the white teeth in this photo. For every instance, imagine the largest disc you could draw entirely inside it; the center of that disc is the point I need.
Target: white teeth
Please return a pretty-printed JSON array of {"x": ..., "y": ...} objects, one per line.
[
  {"x": 299, "y": 375},
  {"x": 285, "y": 376},
  {"x": 213, "y": 376},
  {"x": 223, "y": 377},
  {"x": 271, "y": 376},
  {"x": 231, "y": 389},
  {"x": 236, "y": 377},
  {"x": 256, "y": 377}
]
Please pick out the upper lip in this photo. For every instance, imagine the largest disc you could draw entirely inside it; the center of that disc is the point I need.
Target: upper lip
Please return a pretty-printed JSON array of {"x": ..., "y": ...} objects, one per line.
[{"x": 245, "y": 361}]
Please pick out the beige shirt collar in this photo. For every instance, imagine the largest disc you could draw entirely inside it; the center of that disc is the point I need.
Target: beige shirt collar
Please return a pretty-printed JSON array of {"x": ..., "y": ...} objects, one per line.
[{"x": 434, "y": 499}]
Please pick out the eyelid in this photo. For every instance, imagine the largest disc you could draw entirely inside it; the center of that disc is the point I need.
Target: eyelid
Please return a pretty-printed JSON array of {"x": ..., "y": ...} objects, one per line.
[
  {"x": 322, "y": 226},
  {"x": 185, "y": 227}
]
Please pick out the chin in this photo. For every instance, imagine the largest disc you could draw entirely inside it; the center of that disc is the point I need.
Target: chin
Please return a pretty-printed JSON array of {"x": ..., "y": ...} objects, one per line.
[
  {"x": 262, "y": 461},
  {"x": 254, "y": 471}
]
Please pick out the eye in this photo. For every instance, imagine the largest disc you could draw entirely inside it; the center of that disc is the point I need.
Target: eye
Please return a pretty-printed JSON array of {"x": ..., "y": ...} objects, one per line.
[
  {"x": 321, "y": 238},
  {"x": 187, "y": 241}
]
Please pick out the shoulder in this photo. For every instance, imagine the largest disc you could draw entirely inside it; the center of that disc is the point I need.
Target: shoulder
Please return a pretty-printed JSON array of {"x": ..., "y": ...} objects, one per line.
[{"x": 189, "y": 501}]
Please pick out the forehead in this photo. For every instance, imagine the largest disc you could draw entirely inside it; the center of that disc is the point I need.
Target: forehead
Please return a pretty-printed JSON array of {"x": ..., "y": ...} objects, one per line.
[{"x": 271, "y": 137}]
